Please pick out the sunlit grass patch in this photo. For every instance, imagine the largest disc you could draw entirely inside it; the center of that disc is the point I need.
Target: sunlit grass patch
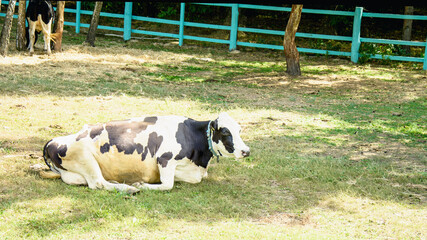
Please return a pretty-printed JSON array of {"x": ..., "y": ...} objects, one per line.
[{"x": 368, "y": 218}]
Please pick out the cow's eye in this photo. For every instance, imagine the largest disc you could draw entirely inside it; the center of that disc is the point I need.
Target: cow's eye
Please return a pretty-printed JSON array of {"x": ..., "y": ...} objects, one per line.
[{"x": 225, "y": 132}]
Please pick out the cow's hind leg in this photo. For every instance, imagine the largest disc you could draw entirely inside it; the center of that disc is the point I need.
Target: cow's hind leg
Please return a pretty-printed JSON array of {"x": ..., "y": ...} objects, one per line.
[
  {"x": 86, "y": 166},
  {"x": 46, "y": 28},
  {"x": 101, "y": 183},
  {"x": 32, "y": 33},
  {"x": 72, "y": 178},
  {"x": 45, "y": 42}
]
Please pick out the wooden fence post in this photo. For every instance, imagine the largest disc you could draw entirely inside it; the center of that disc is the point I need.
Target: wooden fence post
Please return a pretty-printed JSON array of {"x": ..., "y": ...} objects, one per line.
[
  {"x": 355, "y": 43},
  {"x": 181, "y": 24},
  {"x": 78, "y": 13},
  {"x": 234, "y": 25},
  {"x": 127, "y": 31},
  {"x": 407, "y": 27}
]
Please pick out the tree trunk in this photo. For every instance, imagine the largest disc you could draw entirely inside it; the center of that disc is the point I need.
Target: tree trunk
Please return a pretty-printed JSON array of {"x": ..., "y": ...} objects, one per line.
[
  {"x": 20, "y": 29},
  {"x": 59, "y": 26},
  {"x": 7, "y": 26},
  {"x": 407, "y": 26},
  {"x": 90, "y": 39},
  {"x": 290, "y": 48}
]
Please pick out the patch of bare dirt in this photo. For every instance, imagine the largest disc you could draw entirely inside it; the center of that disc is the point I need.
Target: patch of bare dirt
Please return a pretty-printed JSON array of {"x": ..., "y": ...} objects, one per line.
[
  {"x": 288, "y": 219},
  {"x": 403, "y": 85}
]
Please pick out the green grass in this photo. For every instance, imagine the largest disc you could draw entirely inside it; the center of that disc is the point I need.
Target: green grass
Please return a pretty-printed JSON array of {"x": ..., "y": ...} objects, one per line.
[{"x": 338, "y": 153}]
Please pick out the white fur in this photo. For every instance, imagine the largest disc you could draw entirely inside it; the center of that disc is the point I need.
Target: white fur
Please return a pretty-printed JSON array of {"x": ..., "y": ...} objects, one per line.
[{"x": 46, "y": 29}]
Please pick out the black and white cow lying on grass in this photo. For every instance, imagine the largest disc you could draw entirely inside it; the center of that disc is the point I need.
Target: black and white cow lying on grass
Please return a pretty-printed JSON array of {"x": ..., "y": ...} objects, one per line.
[
  {"x": 40, "y": 16},
  {"x": 148, "y": 153}
]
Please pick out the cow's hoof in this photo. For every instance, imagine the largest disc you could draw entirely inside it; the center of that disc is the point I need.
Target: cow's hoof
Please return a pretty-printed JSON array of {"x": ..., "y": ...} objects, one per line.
[
  {"x": 138, "y": 184},
  {"x": 49, "y": 175},
  {"x": 133, "y": 190}
]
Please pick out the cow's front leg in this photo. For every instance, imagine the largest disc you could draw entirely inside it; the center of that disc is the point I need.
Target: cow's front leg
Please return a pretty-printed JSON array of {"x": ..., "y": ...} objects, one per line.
[{"x": 167, "y": 175}]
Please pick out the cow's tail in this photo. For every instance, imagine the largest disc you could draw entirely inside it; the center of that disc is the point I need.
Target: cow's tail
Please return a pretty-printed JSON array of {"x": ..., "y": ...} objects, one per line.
[
  {"x": 47, "y": 32},
  {"x": 48, "y": 160},
  {"x": 54, "y": 36}
]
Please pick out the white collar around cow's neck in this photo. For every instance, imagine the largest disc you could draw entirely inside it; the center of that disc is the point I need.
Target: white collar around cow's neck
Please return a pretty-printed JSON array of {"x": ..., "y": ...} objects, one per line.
[{"x": 209, "y": 133}]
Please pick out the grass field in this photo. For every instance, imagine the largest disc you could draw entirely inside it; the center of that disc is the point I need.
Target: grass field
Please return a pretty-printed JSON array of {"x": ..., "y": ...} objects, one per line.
[{"x": 338, "y": 153}]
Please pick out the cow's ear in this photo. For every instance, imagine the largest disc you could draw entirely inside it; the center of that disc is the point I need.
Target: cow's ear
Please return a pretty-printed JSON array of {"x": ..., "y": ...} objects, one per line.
[{"x": 214, "y": 124}]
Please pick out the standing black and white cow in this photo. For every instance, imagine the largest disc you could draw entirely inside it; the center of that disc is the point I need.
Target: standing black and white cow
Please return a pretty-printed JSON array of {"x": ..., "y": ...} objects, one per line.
[
  {"x": 149, "y": 153},
  {"x": 40, "y": 16}
]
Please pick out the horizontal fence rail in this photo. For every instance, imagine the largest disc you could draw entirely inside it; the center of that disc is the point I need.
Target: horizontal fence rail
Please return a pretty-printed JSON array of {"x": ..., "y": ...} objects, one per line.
[{"x": 356, "y": 40}]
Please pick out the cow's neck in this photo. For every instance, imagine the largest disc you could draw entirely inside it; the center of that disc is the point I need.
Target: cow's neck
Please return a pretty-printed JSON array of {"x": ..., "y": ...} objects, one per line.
[
  {"x": 195, "y": 146},
  {"x": 203, "y": 153}
]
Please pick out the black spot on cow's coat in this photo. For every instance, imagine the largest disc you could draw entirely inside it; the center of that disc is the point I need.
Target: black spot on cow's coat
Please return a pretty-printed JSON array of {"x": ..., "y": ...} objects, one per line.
[
  {"x": 122, "y": 135},
  {"x": 154, "y": 142},
  {"x": 42, "y": 7},
  {"x": 55, "y": 152},
  {"x": 144, "y": 154},
  {"x": 96, "y": 130},
  {"x": 62, "y": 150},
  {"x": 151, "y": 120},
  {"x": 82, "y": 135},
  {"x": 191, "y": 135},
  {"x": 163, "y": 160},
  {"x": 104, "y": 148},
  {"x": 139, "y": 148}
]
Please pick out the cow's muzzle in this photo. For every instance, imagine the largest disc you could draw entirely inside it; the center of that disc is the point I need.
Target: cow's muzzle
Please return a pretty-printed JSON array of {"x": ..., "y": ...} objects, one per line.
[{"x": 246, "y": 153}]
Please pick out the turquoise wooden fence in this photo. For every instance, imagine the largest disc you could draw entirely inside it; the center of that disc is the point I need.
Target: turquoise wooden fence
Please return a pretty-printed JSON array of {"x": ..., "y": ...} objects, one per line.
[{"x": 234, "y": 28}]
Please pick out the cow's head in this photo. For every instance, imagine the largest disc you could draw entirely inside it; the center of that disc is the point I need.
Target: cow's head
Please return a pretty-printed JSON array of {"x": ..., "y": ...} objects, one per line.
[{"x": 226, "y": 137}]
